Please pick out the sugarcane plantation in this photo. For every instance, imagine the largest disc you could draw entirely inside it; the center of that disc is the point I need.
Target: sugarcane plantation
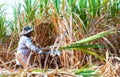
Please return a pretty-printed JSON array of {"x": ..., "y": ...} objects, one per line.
[{"x": 59, "y": 38}]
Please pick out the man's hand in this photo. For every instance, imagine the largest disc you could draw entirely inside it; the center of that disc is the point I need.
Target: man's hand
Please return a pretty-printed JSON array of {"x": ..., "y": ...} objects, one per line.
[
  {"x": 56, "y": 53},
  {"x": 40, "y": 52}
]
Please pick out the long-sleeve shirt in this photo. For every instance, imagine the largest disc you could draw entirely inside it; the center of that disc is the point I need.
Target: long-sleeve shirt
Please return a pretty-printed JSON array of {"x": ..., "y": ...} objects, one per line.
[{"x": 25, "y": 45}]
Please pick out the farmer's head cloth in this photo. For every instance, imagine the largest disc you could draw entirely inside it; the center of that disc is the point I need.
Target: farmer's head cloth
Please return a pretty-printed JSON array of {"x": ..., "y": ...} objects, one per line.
[{"x": 26, "y": 30}]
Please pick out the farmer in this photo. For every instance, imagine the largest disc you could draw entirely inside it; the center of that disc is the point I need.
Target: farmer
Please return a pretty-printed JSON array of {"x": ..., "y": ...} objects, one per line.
[{"x": 25, "y": 46}]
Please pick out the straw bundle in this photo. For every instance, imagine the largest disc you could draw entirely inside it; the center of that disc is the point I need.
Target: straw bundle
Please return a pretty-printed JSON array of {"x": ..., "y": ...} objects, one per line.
[{"x": 45, "y": 35}]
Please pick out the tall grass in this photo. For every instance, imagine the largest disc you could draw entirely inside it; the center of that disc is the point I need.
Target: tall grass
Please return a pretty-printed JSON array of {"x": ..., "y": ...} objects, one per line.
[
  {"x": 17, "y": 19},
  {"x": 57, "y": 5},
  {"x": 30, "y": 8},
  {"x": 2, "y": 25},
  {"x": 94, "y": 7},
  {"x": 114, "y": 7}
]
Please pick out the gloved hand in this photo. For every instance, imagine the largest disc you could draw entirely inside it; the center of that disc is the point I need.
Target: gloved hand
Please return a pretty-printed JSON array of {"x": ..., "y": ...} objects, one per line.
[
  {"x": 58, "y": 53},
  {"x": 40, "y": 52}
]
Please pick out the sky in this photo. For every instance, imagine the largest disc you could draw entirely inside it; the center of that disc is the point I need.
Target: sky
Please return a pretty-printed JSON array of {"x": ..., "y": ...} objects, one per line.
[{"x": 8, "y": 6}]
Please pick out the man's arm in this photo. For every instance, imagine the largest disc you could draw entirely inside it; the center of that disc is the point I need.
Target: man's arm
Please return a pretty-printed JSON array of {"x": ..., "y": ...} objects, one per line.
[{"x": 31, "y": 46}]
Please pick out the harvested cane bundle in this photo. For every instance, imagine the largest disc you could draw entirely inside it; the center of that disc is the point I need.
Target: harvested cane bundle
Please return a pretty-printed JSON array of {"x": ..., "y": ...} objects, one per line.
[{"x": 45, "y": 34}]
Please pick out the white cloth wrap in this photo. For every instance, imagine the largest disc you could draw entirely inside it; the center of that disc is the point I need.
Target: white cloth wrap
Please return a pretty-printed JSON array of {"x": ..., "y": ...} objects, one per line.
[{"x": 25, "y": 46}]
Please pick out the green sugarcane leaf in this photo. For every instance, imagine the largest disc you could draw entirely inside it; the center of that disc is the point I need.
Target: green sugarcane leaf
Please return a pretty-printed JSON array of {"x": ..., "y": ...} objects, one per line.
[
  {"x": 94, "y": 37},
  {"x": 92, "y": 53},
  {"x": 87, "y": 74},
  {"x": 37, "y": 70},
  {"x": 82, "y": 46},
  {"x": 84, "y": 71},
  {"x": 88, "y": 52}
]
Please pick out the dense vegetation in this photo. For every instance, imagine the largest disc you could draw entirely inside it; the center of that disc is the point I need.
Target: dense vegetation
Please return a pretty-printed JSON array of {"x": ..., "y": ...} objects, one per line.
[{"x": 86, "y": 31}]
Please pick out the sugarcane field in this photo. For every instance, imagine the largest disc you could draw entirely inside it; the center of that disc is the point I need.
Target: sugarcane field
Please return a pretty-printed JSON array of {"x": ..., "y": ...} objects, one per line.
[{"x": 59, "y": 38}]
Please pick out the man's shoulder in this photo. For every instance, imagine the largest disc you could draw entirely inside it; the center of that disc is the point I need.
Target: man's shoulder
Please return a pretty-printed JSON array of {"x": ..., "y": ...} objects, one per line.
[{"x": 24, "y": 38}]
